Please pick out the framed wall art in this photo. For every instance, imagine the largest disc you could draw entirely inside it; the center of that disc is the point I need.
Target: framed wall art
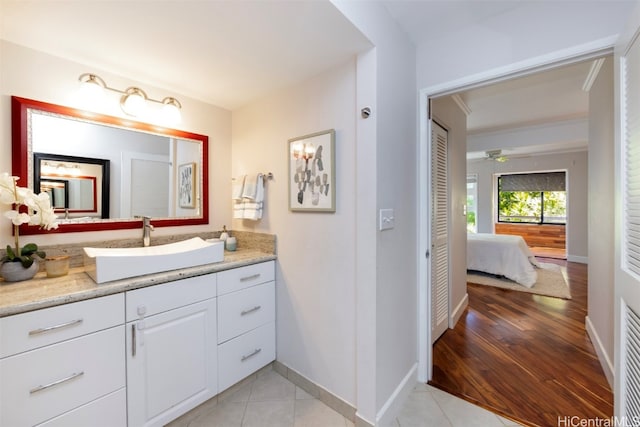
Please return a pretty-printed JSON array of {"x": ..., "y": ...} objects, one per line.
[
  {"x": 187, "y": 185},
  {"x": 312, "y": 174}
]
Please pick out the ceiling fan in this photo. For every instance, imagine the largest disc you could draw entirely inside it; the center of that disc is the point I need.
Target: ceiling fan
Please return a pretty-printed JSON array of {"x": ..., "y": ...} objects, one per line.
[{"x": 495, "y": 155}]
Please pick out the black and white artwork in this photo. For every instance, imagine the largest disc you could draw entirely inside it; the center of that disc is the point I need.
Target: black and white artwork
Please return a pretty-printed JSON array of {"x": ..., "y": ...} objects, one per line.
[
  {"x": 312, "y": 184},
  {"x": 187, "y": 185}
]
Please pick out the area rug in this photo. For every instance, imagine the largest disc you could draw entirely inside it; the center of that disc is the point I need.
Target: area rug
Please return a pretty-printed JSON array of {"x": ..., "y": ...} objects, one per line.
[{"x": 551, "y": 282}]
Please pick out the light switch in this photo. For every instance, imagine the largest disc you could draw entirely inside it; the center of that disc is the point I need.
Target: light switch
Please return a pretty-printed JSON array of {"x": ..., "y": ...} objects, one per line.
[{"x": 387, "y": 219}]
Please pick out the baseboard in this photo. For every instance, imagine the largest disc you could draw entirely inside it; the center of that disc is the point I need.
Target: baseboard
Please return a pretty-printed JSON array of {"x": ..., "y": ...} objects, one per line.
[
  {"x": 392, "y": 406},
  {"x": 576, "y": 258},
  {"x": 605, "y": 362},
  {"x": 457, "y": 312},
  {"x": 334, "y": 402}
]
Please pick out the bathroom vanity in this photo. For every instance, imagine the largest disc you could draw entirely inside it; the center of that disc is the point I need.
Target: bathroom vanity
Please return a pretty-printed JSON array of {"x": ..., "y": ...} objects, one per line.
[{"x": 136, "y": 352}]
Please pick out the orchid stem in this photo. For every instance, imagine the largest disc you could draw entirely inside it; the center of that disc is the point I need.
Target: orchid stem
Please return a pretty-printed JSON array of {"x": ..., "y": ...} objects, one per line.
[
  {"x": 16, "y": 236},
  {"x": 16, "y": 229}
]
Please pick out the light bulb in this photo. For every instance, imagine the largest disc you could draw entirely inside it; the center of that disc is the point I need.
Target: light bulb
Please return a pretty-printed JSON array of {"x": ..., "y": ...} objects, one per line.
[
  {"x": 134, "y": 102},
  {"x": 171, "y": 111},
  {"x": 91, "y": 92}
]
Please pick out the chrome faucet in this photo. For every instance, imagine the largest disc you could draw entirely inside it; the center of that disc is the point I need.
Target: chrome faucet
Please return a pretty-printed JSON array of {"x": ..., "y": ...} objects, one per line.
[{"x": 147, "y": 228}]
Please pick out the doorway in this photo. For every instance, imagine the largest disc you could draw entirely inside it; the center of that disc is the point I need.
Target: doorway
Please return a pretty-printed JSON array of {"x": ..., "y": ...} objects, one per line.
[{"x": 425, "y": 362}]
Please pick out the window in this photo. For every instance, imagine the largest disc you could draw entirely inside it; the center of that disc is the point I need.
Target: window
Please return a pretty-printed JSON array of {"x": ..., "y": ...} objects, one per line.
[
  {"x": 472, "y": 206},
  {"x": 538, "y": 198}
]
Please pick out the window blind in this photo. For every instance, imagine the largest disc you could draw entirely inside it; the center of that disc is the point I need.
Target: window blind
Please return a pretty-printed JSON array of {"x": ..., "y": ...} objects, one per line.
[
  {"x": 547, "y": 181},
  {"x": 631, "y": 149},
  {"x": 632, "y": 365}
]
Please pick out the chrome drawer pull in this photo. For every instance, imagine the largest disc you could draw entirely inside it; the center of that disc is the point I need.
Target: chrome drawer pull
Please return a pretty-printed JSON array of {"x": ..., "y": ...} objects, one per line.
[
  {"x": 64, "y": 380},
  {"x": 248, "y": 356},
  {"x": 254, "y": 276},
  {"x": 133, "y": 341},
  {"x": 51, "y": 328},
  {"x": 251, "y": 310}
]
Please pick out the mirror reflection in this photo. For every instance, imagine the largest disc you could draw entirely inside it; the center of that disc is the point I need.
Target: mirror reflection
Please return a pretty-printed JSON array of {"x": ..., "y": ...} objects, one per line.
[
  {"x": 77, "y": 186},
  {"x": 104, "y": 169}
]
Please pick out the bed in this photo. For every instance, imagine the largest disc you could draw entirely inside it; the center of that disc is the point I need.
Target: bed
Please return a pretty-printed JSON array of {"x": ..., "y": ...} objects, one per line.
[{"x": 502, "y": 255}]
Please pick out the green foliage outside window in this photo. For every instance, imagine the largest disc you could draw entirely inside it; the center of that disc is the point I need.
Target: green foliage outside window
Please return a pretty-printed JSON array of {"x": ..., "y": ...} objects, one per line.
[{"x": 532, "y": 206}]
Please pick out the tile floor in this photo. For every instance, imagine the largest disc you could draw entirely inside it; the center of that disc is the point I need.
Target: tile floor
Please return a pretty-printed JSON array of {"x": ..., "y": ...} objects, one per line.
[{"x": 273, "y": 401}]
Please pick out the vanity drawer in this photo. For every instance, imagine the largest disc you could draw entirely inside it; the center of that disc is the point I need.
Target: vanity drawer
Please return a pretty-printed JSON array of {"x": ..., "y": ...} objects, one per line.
[
  {"x": 244, "y": 277},
  {"x": 245, "y": 354},
  {"x": 28, "y": 331},
  {"x": 244, "y": 310},
  {"x": 41, "y": 384},
  {"x": 159, "y": 298},
  {"x": 108, "y": 411}
]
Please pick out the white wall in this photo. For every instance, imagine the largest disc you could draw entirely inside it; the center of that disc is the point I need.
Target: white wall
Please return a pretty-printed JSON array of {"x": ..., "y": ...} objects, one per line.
[
  {"x": 316, "y": 293},
  {"x": 395, "y": 145},
  {"x": 36, "y": 75},
  {"x": 576, "y": 165},
  {"x": 475, "y": 49},
  {"x": 601, "y": 213},
  {"x": 448, "y": 114}
]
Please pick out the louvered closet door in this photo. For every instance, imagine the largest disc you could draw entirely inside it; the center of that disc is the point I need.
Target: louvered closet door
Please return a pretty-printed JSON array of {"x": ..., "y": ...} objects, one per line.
[
  {"x": 627, "y": 286},
  {"x": 439, "y": 233}
]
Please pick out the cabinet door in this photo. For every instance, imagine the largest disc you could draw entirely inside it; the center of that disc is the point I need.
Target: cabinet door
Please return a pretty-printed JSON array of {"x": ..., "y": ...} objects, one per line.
[
  {"x": 242, "y": 311},
  {"x": 241, "y": 356},
  {"x": 34, "y": 329},
  {"x": 245, "y": 277},
  {"x": 108, "y": 411},
  {"x": 171, "y": 363},
  {"x": 43, "y": 383}
]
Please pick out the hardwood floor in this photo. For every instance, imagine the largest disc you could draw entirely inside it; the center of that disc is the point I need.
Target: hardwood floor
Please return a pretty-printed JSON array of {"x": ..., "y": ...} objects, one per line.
[{"x": 525, "y": 356}]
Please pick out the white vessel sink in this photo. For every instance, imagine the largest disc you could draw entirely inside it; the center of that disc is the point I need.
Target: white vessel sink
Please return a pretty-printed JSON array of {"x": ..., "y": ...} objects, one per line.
[{"x": 107, "y": 264}]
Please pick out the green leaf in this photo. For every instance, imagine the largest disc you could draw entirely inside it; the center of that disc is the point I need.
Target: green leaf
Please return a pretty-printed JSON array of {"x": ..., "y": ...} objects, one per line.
[
  {"x": 10, "y": 254},
  {"x": 26, "y": 261},
  {"x": 29, "y": 249}
]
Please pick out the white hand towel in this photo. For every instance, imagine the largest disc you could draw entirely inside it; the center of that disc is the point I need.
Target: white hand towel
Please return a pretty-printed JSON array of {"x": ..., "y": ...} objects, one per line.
[
  {"x": 238, "y": 187},
  {"x": 253, "y": 209},
  {"x": 238, "y": 210},
  {"x": 250, "y": 186}
]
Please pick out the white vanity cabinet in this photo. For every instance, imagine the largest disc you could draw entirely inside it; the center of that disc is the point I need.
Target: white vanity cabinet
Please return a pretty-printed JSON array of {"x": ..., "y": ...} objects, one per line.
[
  {"x": 171, "y": 349},
  {"x": 246, "y": 321},
  {"x": 64, "y": 365},
  {"x": 137, "y": 358}
]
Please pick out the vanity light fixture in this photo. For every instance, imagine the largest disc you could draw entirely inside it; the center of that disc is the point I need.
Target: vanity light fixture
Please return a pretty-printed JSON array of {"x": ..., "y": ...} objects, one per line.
[
  {"x": 59, "y": 169},
  {"x": 171, "y": 109},
  {"x": 133, "y": 100},
  {"x": 303, "y": 151},
  {"x": 92, "y": 86}
]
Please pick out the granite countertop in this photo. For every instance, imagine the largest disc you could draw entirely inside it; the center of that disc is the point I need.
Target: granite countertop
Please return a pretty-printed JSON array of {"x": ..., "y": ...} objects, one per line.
[{"x": 42, "y": 292}]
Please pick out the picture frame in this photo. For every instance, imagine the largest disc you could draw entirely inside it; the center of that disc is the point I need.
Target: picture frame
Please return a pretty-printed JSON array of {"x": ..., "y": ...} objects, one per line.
[
  {"x": 312, "y": 174},
  {"x": 187, "y": 185}
]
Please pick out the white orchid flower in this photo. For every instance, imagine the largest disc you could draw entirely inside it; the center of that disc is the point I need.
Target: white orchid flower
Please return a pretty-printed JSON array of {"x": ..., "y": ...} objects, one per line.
[
  {"x": 7, "y": 189},
  {"x": 40, "y": 213},
  {"x": 17, "y": 218}
]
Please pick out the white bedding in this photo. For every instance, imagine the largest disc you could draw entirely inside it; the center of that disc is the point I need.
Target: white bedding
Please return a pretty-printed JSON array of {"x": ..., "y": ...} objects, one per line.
[{"x": 502, "y": 255}]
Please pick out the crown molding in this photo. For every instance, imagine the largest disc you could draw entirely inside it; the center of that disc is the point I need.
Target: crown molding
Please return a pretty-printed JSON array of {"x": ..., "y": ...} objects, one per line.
[
  {"x": 461, "y": 104},
  {"x": 593, "y": 74}
]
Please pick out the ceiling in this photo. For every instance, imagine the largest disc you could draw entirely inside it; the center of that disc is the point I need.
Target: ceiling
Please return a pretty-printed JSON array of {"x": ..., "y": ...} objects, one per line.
[
  {"x": 542, "y": 98},
  {"x": 228, "y": 53},
  {"x": 222, "y": 52},
  {"x": 545, "y": 97}
]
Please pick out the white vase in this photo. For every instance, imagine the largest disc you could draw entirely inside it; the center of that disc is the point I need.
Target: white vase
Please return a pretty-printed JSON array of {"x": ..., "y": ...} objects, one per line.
[{"x": 15, "y": 272}]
